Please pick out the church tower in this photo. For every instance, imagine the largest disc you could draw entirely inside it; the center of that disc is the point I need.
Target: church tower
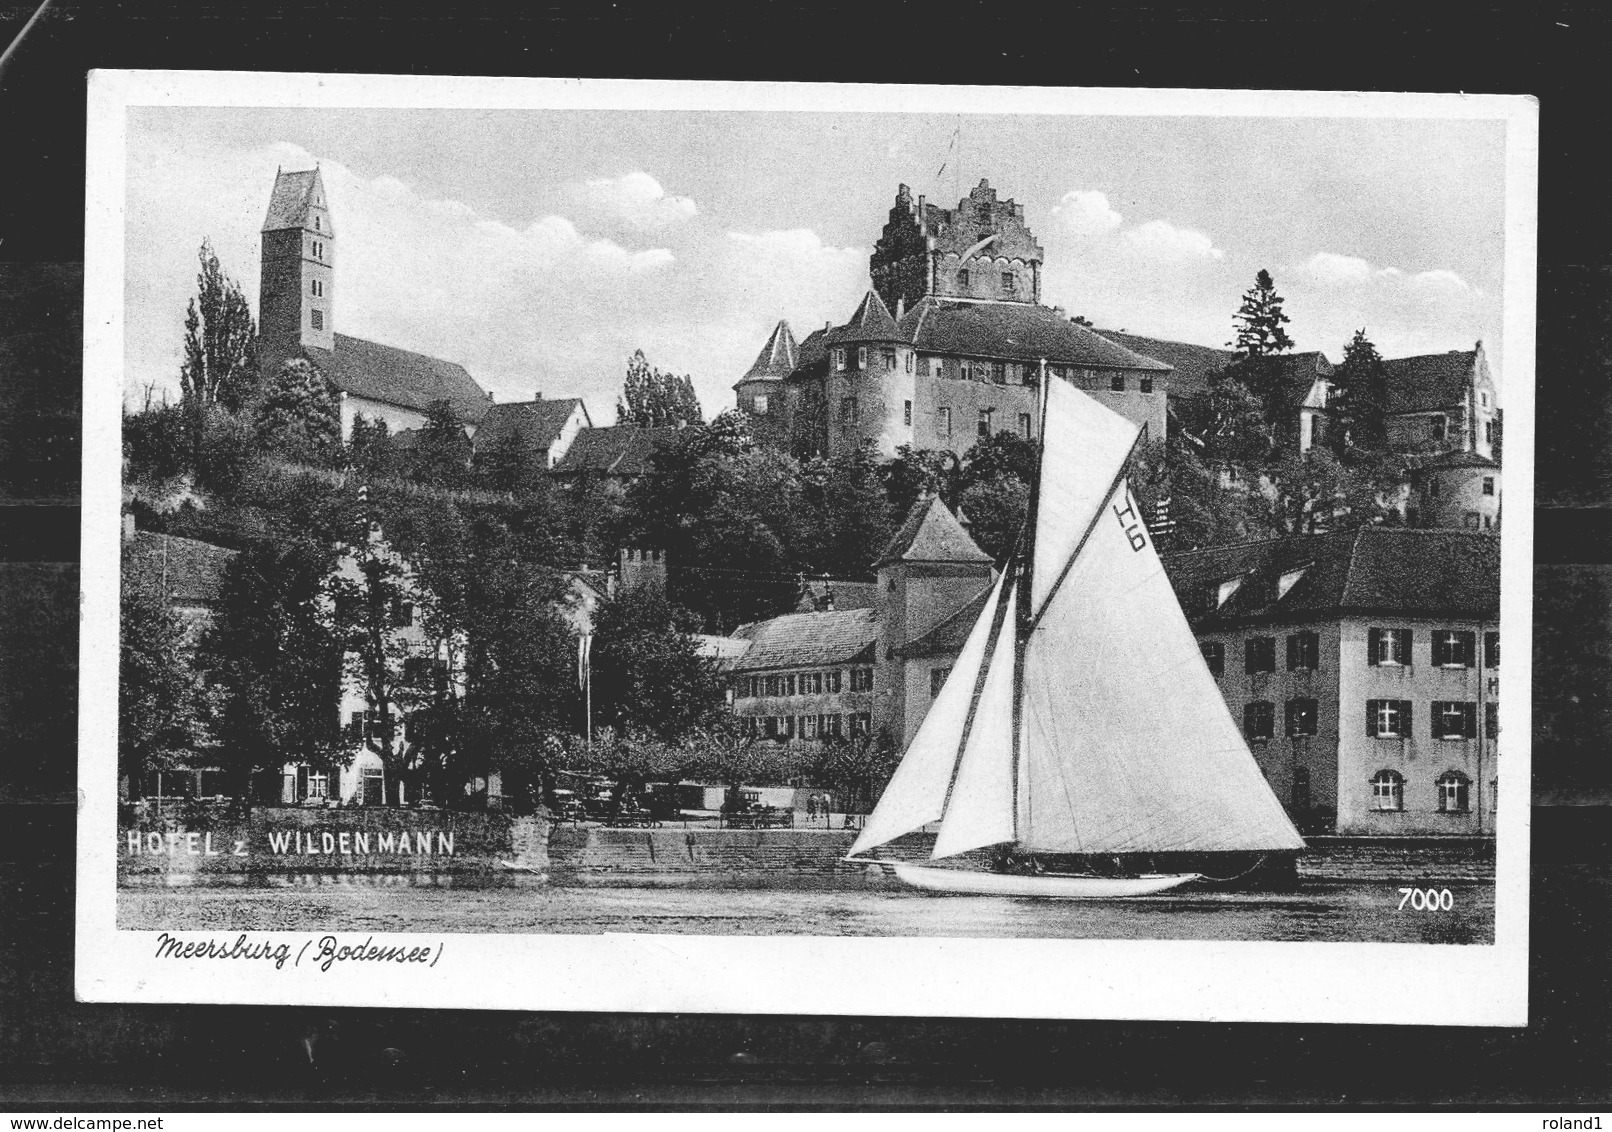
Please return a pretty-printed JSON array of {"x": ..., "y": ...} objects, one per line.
[{"x": 295, "y": 297}]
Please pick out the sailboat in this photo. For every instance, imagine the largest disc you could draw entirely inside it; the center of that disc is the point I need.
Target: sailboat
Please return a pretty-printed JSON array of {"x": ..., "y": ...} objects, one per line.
[{"x": 1080, "y": 733}]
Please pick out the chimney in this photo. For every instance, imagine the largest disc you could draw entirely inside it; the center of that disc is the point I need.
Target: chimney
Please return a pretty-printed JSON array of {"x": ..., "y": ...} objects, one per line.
[
  {"x": 537, "y": 395},
  {"x": 901, "y": 306},
  {"x": 128, "y": 526}
]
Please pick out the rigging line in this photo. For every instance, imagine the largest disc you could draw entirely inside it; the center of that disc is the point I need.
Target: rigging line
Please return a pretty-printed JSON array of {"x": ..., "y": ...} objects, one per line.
[
  {"x": 1069, "y": 565},
  {"x": 1026, "y": 566}
]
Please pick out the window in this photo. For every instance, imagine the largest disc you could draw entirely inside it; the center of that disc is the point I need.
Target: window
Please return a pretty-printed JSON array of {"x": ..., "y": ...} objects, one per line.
[
  {"x": 833, "y": 680},
  {"x": 1259, "y": 720},
  {"x": 761, "y": 404},
  {"x": 415, "y": 669},
  {"x": 318, "y": 249},
  {"x": 773, "y": 686},
  {"x": 789, "y": 684},
  {"x": 770, "y": 728},
  {"x": 848, "y": 410},
  {"x": 1116, "y": 383},
  {"x": 861, "y": 679},
  {"x": 318, "y": 318},
  {"x": 317, "y": 227},
  {"x": 372, "y": 787},
  {"x": 906, "y": 412},
  {"x": 985, "y": 422},
  {"x": 862, "y": 357},
  {"x": 1488, "y": 432},
  {"x": 861, "y": 723},
  {"x": 1388, "y": 791},
  {"x": 962, "y": 277},
  {"x": 1488, "y": 485},
  {"x": 1301, "y": 789},
  {"x": 999, "y": 373},
  {"x": 318, "y": 785},
  {"x": 909, "y": 361},
  {"x": 1301, "y": 715},
  {"x": 889, "y": 360},
  {"x": 809, "y": 726},
  {"x": 839, "y": 357},
  {"x": 1491, "y": 720},
  {"x": 965, "y": 369},
  {"x": 1145, "y": 384},
  {"x": 937, "y": 680},
  {"x": 1303, "y": 650},
  {"x": 1491, "y": 650},
  {"x": 1436, "y": 427},
  {"x": 316, "y": 288},
  {"x": 1388, "y": 646},
  {"x": 811, "y": 683},
  {"x": 1453, "y": 648},
  {"x": 1483, "y": 399},
  {"x": 1024, "y": 426},
  {"x": 945, "y": 426},
  {"x": 1259, "y": 655},
  {"x": 1007, "y": 282},
  {"x": 1452, "y": 792},
  {"x": 1214, "y": 655},
  {"x": 1388, "y": 719},
  {"x": 752, "y": 686},
  {"x": 931, "y": 367},
  {"x": 1472, "y": 520},
  {"x": 1455, "y": 719},
  {"x": 833, "y": 725}
]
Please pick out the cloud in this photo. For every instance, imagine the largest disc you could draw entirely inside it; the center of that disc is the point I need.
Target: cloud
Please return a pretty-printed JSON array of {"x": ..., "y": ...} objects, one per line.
[
  {"x": 636, "y": 199},
  {"x": 1161, "y": 240},
  {"x": 1327, "y": 269},
  {"x": 1404, "y": 312},
  {"x": 1086, "y": 213}
]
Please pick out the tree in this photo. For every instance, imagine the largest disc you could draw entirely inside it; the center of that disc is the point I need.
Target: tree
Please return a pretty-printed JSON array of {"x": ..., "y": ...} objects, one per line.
[
  {"x": 1001, "y": 453},
  {"x": 1260, "y": 321},
  {"x": 156, "y": 443},
  {"x": 442, "y": 454},
  {"x": 159, "y": 718},
  {"x": 1360, "y": 396},
  {"x": 852, "y": 514},
  {"x": 996, "y": 508},
  {"x": 219, "y": 366},
  {"x": 915, "y": 473},
  {"x": 276, "y": 662},
  {"x": 1234, "y": 422},
  {"x": 651, "y": 399},
  {"x": 508, "y": 464},
  {"x": 647, "y": 675},
  {"x": 299, "y": 418},
  {"x": 369, "y": 449}
]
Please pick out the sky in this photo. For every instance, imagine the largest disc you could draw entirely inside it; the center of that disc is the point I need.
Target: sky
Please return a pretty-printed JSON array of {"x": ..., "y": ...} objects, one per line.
[{"x": 540, "y": 248}]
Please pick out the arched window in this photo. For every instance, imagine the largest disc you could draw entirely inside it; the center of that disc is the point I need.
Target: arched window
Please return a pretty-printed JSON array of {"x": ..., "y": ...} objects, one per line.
[
  {"x": 1388, "y": 790},
  {"x": 1453, "y": 792}
]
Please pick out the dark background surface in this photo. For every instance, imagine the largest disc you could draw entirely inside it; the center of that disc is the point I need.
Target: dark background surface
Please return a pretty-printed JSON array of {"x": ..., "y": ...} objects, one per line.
[{"x": 54, "y": 1052}]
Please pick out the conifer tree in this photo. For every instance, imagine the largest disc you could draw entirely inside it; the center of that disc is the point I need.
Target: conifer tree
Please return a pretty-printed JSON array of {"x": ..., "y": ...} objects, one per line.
[
  {"x": 219, "y": 366},
  {"x": 299, "y": 418},
  {"x": 1361, "y": 395},
  {"x": 1260, "y": 320}
]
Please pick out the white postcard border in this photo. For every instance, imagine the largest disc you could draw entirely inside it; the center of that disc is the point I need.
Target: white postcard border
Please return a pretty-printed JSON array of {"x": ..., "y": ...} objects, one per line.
[{"x": 1175, "y": 980}]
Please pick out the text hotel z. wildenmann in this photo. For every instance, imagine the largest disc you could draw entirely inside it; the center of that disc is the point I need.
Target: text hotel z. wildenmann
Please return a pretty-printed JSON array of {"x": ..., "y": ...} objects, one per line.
[
  {"x": 293, "y": 843},
  {"x": 327, "y": 951}
]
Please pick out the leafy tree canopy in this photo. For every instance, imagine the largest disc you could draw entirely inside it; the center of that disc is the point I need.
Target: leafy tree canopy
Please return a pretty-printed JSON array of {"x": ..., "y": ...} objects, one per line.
[
  {"x": 219, "y": 365},
  {"x": 299, "y": 418},
  {"x": 651, "y": 399}
]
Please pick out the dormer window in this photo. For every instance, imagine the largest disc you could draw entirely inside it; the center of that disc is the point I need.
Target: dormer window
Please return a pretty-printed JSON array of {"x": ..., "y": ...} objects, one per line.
[
  {"x": 861, "y": 357},
  {"x": 839, "y": 357},
  {"x": 1288, "y": 580},
  {"x": 1226, "y": 589}
]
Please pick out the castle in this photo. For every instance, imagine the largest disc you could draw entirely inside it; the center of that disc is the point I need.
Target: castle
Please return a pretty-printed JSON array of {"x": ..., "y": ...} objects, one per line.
[{"x": 947, "y": 347}]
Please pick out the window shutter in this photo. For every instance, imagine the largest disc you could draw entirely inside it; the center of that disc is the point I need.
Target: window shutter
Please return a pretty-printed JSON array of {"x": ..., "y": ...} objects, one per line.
[
  {"x": 1435, "y": 721},
  {"x": 335, "y": 783},
  {"x": 1289, "y": 720},
  {"x": 1374, "y": 644},
  {"x": 1405, "y": 714},
  {"x": 1406, "y": 646},
  {"x": 1292, "y": 663},
  {"x": 1469, "y": 648},
  {"x": 302, "y": 783},
  {"x": 1469, "y": 717},
  {"x": 1371, "y": 715}
]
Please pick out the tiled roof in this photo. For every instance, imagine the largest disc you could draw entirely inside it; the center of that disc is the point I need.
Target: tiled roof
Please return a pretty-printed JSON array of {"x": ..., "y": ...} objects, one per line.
[
  {"x": 777, "y": 359},
  {"x": 726, "y": 651},
  {"x": 617, "y": 450},
  {"x": 1429, "y": 381},
  {"x": 1018, "y": 331},
  {"x": 288, "y": 206},
  {"x": 801, "y": 640},
  {"x": 932, "y": 533},
  {"x": 948, "y": 637},
  {"x": 536, "y": 424},
  {"x": 193, "y": 571},
  {"x": 1386, "y": 570},
  {"x": 367, "y": 369},
  {"x": 871, "y": 323},
  {"x": 1193, "y": 364}
]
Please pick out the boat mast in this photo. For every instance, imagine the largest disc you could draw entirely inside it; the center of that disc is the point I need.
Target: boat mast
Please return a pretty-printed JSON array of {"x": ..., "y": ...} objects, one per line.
[{"x": 1023, "y": 561}]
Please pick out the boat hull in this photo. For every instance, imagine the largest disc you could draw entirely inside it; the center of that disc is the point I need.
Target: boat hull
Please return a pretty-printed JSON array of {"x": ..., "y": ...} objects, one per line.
[{"x": 969, "y": 883}]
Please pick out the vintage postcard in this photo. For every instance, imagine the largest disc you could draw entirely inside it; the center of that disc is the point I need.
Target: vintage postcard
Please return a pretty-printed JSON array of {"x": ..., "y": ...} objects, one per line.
[{"x": 785, "y": 548}]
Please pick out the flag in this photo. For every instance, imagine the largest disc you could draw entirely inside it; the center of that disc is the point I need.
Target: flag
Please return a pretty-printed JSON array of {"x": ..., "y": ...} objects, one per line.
[{"x": 584, "y": 658}]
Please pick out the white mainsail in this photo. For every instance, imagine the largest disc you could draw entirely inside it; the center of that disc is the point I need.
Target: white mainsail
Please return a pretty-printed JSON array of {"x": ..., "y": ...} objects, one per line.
[
  {"x": 917, "y": 791},
  {"x": 980, "y": 809}
]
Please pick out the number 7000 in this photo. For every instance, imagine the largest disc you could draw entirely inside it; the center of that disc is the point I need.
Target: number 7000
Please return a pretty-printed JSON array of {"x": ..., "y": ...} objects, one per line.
[{"x": 1426, "y": 899}]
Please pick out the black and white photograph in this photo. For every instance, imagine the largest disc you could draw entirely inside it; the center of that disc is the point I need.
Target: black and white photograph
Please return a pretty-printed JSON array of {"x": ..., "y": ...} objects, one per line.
[{"x": 716, "y": 546}]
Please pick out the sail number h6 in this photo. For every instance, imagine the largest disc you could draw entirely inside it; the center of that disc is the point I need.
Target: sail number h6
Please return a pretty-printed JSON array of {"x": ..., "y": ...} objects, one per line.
[{"x": 1130, "y": 524}]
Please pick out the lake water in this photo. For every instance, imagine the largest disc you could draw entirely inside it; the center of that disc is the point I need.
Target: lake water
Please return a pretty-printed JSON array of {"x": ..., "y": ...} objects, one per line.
[{"x": 1317, "y": 911}]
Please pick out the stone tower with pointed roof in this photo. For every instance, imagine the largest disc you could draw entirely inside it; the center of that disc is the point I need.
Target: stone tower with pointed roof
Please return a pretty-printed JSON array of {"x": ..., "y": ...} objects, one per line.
[
  {"x": 296, "y": 296},
  {"x": 760, "y": 391},
  {"x": 930, "y": 575}
]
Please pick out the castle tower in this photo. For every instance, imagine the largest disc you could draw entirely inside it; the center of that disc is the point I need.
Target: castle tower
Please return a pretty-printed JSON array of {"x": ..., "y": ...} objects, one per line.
[
  {"x": 981, "y": 249},
  {"x": 760, "y": 391},
  {"x": 930, "y": 575},
  {"x": 868, "y": 389},
  {"x": 296, "y": 301}
]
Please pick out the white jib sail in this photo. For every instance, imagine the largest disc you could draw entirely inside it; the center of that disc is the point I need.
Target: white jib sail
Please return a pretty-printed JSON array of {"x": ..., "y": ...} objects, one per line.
[
  {"x": 1084, "y": 446},
  {"x": 980, "y": 811},
  {"x": 917, "y": 791},
  {"x": 1127, "y": 743}
]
